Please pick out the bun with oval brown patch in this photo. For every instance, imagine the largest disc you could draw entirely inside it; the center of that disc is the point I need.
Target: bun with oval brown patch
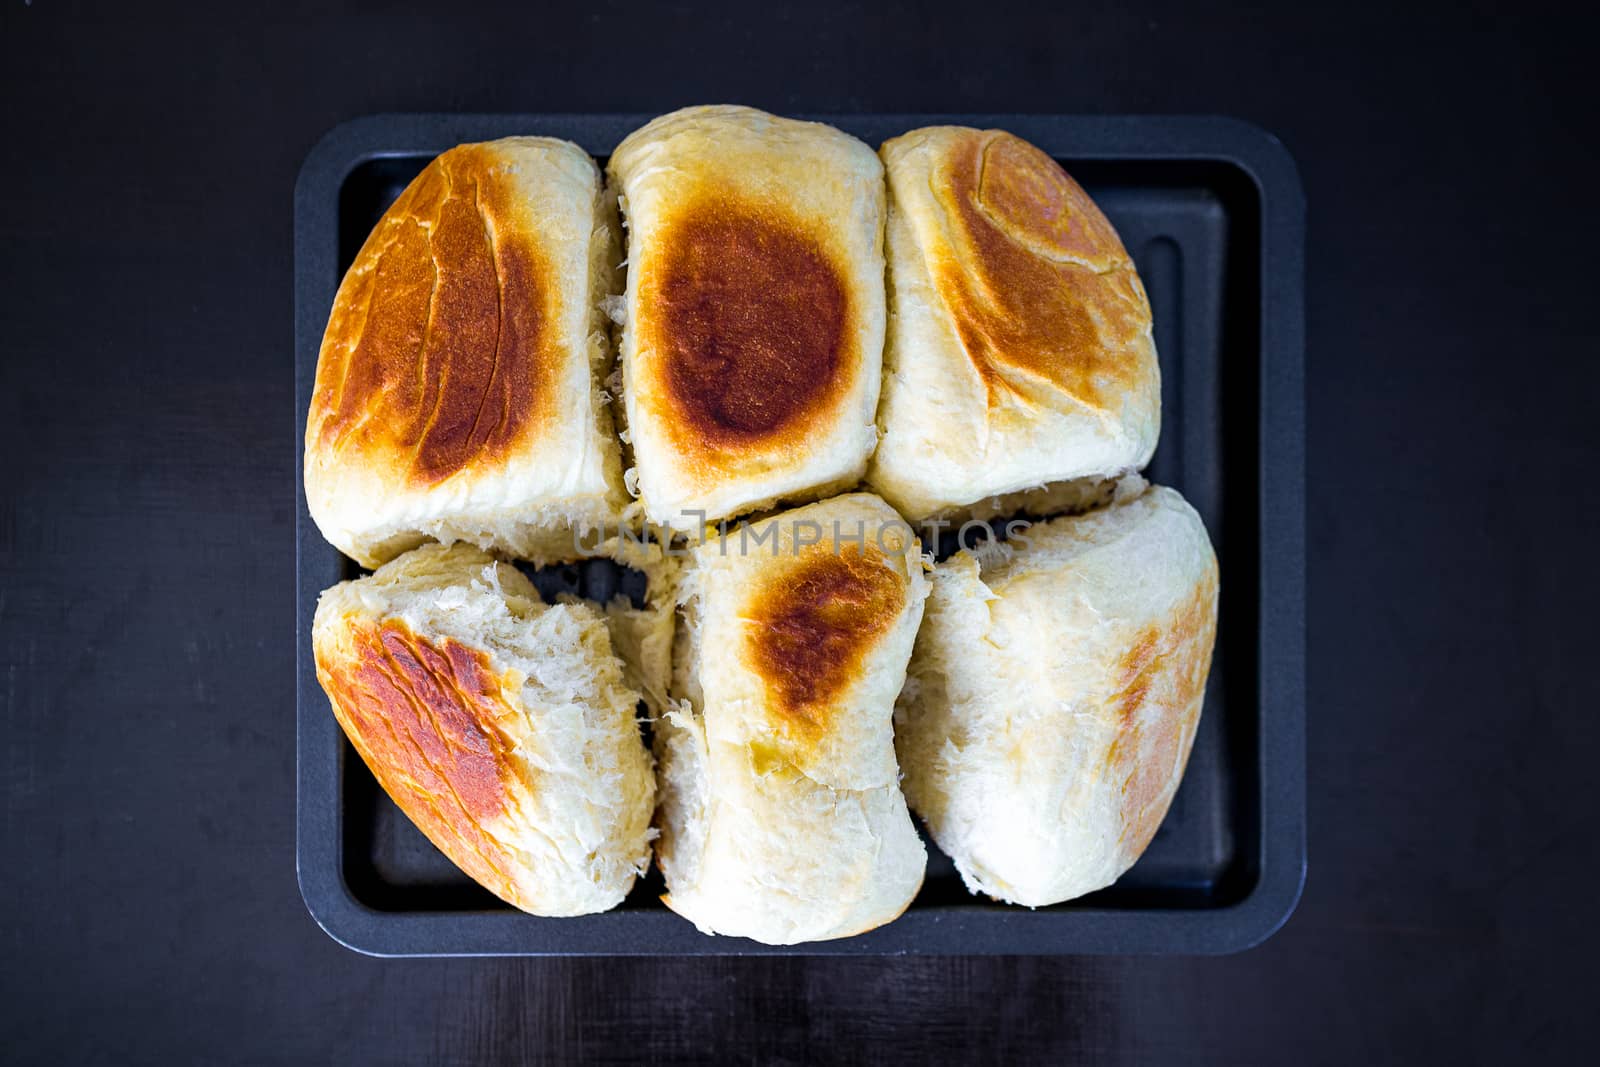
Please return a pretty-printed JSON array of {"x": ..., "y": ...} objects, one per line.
[
  {"x": 1055, "y": 692},
  {"x": 1019, "y": 354},
  {"x": 503, "y": 727},
  {"x": 752, "y": 347},
  {"x": 457, "y": 394},
  {"x": 781, "y": 814}
]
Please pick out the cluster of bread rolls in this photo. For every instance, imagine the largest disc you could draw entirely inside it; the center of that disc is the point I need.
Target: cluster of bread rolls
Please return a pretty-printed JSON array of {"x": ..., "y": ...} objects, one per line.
[{"x": 490, "y": 388}]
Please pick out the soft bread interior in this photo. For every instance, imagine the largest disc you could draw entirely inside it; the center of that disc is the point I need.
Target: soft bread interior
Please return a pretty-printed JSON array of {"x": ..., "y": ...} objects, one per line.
[
  {"x": 1071, "y": 497},
  {"x": 679, "y": 742},
  {"x": 643, "y": 636},
  {"x": 571, "y": 831}
]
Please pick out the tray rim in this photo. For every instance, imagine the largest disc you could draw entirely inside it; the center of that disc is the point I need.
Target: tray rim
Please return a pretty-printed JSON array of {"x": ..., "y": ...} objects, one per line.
[{"x": 968, "y": 929}]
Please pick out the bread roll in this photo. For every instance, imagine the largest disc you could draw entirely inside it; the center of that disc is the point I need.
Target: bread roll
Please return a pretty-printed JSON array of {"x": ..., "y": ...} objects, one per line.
[
  {"x": 1019, "y": 351},
  {"x": 500, "y": 725},
  {"x": 781, "y": 815},
  {"x": 1054, "y": 694},
  {"x": 753, "y": 338},
  {"x": 457, "y": 393}
]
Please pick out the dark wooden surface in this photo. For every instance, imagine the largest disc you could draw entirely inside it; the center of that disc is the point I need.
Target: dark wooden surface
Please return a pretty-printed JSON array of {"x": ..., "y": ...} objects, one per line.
[{"x": 148, "y": 906}]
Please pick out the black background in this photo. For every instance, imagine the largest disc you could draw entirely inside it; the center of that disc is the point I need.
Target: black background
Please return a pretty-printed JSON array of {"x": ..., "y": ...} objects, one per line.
[{"x": 148, "y": 905}]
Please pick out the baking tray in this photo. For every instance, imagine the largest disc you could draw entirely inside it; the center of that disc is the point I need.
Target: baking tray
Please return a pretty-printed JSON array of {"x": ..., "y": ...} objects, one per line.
[{"x": 1212, "y": 212}]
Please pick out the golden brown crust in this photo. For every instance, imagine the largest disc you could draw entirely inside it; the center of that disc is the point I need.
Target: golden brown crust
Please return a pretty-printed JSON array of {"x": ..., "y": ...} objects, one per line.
[
  {"x": 428, "y": 719},
  {"x": 1171, "y": 660},
  {"x": 810, "y": 626},
  {"x": 1039, "y": 286},
  {"x": 750, "y": 317},
  {"x": 752, "y": 348},
  {"x": 438, "y": 355}
]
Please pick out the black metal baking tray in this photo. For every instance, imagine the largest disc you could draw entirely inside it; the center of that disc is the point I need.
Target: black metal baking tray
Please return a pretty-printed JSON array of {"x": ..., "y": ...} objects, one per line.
[{"x": 1212, "y": 212}]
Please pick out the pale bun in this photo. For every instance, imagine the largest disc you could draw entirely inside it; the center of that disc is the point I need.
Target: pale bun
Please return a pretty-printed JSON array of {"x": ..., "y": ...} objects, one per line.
[{"x": 1054, "y": 695}]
